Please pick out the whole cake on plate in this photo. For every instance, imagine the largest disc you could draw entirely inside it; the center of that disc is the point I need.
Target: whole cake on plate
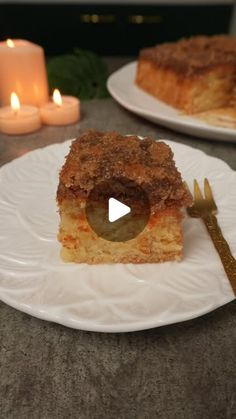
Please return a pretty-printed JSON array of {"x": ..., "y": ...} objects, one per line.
[
  {"x": 97, "y": 157},
  {"x": 194, "y": 75}
]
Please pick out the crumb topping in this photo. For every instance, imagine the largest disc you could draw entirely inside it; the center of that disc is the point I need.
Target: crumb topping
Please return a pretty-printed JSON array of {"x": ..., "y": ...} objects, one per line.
[
  {"x": 99, "y": 156},
  {"x": 193, "y": 55}
]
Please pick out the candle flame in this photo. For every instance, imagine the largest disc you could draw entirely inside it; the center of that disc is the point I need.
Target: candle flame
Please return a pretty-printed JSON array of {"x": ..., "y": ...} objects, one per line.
[
  {"x": 15, "y": 103},
  {"x": 57, "y": 99},
  {"x": 10, "y": 43}
]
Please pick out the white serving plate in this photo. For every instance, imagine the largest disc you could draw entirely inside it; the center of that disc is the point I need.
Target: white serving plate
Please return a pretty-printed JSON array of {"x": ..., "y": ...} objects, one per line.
[
  {"x": 106, "y": 298},
  {"x": 123, "y": 89}
]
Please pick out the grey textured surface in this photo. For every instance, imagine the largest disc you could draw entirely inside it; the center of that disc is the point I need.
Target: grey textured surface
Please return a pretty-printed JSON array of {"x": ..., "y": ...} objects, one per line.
[
  {"x": 105, "y": 114},
  {"x": 182, "y": 371}
]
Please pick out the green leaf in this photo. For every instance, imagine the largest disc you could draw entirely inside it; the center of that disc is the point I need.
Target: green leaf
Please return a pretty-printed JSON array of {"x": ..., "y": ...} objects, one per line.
[{"x": 82, "y": 74}]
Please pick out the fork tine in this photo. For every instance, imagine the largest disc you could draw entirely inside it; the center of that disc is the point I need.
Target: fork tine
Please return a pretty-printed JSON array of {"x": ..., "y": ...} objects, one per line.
[
  {"x": 197, "y": 191},
  {"x": 209, "y": 195}
]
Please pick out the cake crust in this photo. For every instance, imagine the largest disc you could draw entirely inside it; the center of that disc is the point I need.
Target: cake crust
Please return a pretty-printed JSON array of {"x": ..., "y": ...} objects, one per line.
[
  {"x": 193, "y": 56},
  {"x": 96, "y": 157}
]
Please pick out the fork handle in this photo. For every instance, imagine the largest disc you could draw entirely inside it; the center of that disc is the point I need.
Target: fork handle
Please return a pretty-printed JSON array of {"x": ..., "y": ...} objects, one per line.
[{"x": 223, "y": 249}]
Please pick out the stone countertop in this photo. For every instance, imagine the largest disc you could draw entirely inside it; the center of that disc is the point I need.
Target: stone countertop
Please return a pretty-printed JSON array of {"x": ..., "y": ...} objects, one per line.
[
  {"x": 181, "y": 371},
  {"x": 106, "y": 114}
]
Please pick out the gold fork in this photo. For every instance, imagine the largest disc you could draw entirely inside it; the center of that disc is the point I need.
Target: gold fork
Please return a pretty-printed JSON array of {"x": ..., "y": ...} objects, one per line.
[{"x": 205, "y": 208}]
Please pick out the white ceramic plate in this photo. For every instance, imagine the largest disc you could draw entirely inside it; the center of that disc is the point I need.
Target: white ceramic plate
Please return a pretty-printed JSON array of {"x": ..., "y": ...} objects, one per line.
[
  {"x": 107, "y": 298},
  {"x": 123, "y": 89}
]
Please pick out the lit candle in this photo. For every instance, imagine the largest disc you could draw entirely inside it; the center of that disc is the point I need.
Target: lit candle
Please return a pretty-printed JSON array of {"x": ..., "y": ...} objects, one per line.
[
  {"x": 62, "y": 110},
  {"x": 22, "y": 70},
  {"x": 17, "y": 119}
]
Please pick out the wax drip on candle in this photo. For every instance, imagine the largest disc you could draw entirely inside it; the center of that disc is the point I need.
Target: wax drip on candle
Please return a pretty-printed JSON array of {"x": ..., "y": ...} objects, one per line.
[
  {"x": 57, "y": 99},
  {"x": 10, "y": 43},
  {"x": 15, "y": 103}
]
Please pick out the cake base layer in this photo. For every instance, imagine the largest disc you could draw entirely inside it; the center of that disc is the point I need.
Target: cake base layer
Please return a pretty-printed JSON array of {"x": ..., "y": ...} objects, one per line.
[
  {"x": 194, "y": 93},
  {"x": 160, "y": 241}
]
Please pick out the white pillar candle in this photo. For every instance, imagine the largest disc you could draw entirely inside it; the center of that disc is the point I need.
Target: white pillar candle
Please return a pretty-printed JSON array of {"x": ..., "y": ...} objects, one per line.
[
  {"x": 62, "y": 110},
  {"x": 22, "y": 70},
  {"x": 17, "y": 119}
]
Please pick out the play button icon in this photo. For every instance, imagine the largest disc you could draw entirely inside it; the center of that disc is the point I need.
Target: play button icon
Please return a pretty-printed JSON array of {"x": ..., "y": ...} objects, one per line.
[{"x": 117, "y": 209}]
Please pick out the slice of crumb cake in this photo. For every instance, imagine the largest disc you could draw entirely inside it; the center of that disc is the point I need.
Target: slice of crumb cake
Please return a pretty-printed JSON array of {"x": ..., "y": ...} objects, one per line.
[{"x": 98, "y": 158}]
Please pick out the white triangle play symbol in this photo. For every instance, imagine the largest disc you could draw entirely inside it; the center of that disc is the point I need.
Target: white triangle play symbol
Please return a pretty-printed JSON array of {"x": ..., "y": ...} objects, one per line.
[{"x": 116, "y": 210}]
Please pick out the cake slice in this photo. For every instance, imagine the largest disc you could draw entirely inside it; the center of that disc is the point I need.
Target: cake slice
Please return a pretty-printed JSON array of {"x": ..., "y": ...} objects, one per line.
[
  {"x": 194, "y": 75},
  {"x": 98, "y": 158}
]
